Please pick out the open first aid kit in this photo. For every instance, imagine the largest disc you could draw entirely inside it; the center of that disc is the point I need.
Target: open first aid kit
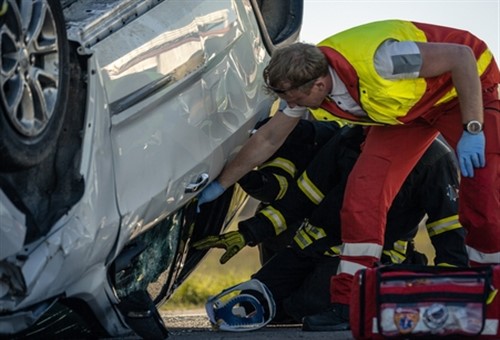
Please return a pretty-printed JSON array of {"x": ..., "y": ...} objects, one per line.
[{"x": 425, "y": 302}]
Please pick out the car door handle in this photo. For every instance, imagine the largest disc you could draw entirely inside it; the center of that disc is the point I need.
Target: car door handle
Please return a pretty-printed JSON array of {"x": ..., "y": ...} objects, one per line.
[{"x": 199, "y": 183}]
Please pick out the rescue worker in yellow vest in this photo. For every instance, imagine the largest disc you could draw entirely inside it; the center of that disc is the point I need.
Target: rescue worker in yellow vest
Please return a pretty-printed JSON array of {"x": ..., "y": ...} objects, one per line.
[
  {"x": 299, "y": 275},
  {"x": 409, "y": 81}
]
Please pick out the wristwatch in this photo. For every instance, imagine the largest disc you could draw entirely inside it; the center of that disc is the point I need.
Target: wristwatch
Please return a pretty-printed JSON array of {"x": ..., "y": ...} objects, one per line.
[{"x": 473, "y": 127}]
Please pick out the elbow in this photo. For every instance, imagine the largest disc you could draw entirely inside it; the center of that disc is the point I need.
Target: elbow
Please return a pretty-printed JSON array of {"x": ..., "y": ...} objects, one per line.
[{"x": 464, "y": 56}]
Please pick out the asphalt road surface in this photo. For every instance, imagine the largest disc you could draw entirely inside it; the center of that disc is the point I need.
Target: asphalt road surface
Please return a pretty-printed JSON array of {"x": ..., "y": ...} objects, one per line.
[{"x": 195, "y": 325}]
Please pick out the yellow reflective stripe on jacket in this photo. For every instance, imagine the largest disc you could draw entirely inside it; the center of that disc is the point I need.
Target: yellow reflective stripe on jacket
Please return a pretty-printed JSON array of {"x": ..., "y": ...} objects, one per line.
[
  {"x": 282, "y": 163},
  {"x": 398, "y": 252},
  {"x": 443, "y": 225},
  {"x": 308, "y": 234},
  {"x": 395, "y": 256},
  {"x": 383, "y": 100},
  {"x": 309, "y": 189},
  {"x": 302, "y": 239},
  {"x": 401, "y": 246},
  {"x": 333, "y": 251},
  {"x": 276, "y": 218},
  {"x": 444, "y": 264},
  {"x": 315, "y": 232},
  {"x": 283, "y": 183}
]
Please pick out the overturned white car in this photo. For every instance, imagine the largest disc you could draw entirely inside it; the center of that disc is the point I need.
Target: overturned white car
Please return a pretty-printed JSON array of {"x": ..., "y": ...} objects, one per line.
[{"x": 114, "y": 114}]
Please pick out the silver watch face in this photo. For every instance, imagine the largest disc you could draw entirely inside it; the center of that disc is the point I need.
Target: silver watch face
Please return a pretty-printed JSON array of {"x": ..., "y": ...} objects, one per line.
[{"x": 474, "y": 127}]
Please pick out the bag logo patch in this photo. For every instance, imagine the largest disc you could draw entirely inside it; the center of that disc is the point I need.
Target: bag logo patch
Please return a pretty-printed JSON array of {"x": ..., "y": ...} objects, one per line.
[
  {"x": 406, "y": 319},
  {"x": 435, "y": 316}
]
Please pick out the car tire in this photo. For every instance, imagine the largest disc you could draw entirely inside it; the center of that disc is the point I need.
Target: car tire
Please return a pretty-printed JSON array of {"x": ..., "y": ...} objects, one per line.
[{"x": 34, "y": 80}]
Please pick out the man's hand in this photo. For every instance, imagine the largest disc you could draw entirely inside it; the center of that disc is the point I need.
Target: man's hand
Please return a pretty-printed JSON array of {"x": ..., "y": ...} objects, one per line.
[
  {"x": 232, "y": 241},
  {"x": 210, "y": 193},
  {"x": 470, "y": 152}
]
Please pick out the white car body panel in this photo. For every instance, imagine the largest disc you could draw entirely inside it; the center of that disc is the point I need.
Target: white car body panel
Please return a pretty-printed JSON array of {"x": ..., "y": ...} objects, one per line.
[{"x": 197, "y": 106}]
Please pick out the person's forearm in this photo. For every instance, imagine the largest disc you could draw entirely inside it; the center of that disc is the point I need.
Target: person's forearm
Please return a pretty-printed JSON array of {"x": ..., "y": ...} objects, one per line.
[
  {"x": 251, "y": 155},
  {"x": 262, "y": 145},
  {"x": 466, "y": 81}
]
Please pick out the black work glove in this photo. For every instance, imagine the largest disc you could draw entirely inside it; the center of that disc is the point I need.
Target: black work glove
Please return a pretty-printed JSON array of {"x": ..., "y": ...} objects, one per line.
[{"x": 232, "y": 241}]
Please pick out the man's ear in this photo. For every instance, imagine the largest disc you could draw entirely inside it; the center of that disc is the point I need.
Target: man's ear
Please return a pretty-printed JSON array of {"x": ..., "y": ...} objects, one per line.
[
  {"x": 321, "y": 84},
  {"x": 324, "y": 83}
]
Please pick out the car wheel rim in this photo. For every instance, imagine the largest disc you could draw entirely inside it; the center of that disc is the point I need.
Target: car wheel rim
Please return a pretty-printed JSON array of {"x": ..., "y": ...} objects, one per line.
[{"x": 29, "y": 66}]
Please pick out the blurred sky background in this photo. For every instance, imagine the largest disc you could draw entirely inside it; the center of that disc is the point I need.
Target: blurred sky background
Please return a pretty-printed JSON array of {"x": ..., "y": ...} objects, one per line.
[{"x": 323, "y": 18}]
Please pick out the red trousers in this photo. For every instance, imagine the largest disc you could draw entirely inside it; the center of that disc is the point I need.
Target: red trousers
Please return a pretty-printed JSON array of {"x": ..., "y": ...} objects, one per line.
[{"x": 389, "y": 154}]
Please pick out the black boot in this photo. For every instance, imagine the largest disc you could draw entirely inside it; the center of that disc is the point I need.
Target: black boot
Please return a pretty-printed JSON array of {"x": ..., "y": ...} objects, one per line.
[{"x": 334, "y": 319}]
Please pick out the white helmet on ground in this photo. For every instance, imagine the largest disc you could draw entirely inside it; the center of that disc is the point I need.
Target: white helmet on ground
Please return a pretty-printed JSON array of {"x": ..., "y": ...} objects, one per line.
[{"x": 244, "y": 307}]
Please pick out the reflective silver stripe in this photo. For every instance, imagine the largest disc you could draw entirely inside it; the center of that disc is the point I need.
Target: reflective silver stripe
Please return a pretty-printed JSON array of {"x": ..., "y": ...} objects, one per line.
[
  {"x": 348, "y": 267},
  {"x": 479, "y": 257},
  {"x": 276, "y": 219},
  {"x": 374, "y": 325},
  {"x": 309, "y": 189},
  {"x": 362, "y": 249},
  {"x": 282, "y": 163},
  {"x": 406, "y": 64},
  {"x": 443, "y": 225},
  {"x": 490, "y": 327},
  {"x": 283, "y": 182}
]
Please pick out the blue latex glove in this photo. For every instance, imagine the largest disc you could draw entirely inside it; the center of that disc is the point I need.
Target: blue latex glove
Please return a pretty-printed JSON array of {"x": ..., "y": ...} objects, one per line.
[
  {"x": 470, "y": 152},
  {"x": 210, "y": 193}
]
